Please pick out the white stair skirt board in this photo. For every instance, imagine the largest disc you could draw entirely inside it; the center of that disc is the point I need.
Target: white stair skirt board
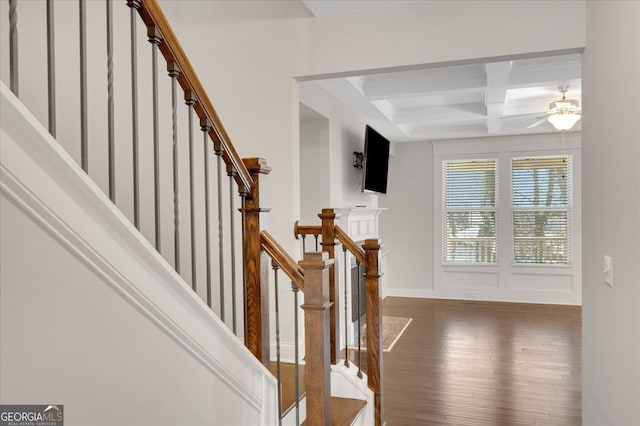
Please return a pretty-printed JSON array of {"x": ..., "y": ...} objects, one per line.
[
  {"x": 290, "y": 418},
  {"x": 44, "y": 182}
]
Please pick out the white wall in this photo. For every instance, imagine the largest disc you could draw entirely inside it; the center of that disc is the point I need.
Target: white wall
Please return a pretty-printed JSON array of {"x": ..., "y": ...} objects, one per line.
[
  {"x": 314, "y": 164},
  {"x": 346, "y": 136},
  {"x": 611, "y": 158},
  {"x": 92, "y": 317},
  {"x": 68, "y": 338},
  {"x": 412, "y": 227},
  {"x": 407, "y": 227}
]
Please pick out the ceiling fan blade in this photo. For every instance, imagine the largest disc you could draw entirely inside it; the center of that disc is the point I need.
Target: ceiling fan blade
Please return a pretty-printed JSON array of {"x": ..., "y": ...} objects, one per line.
[
  {"x": 537, "y": 123},
  {"x": 521, "y": 115}
]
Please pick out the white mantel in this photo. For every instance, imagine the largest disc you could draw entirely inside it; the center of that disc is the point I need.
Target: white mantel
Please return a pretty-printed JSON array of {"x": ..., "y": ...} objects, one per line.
[{"x": 360, "y": 223}]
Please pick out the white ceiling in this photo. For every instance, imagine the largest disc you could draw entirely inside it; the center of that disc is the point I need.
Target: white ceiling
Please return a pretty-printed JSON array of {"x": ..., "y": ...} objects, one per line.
[
  {"x": 463, "y": 101},
  {"x": 434, "y": 103}
]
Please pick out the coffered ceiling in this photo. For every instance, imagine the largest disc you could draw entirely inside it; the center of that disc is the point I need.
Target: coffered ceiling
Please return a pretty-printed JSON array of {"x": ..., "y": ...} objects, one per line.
[{"x": 462, "y": 101}]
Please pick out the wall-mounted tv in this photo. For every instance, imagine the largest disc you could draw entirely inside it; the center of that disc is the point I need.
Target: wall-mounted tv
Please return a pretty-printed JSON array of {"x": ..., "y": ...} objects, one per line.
[{"x": 376, "y": 162}]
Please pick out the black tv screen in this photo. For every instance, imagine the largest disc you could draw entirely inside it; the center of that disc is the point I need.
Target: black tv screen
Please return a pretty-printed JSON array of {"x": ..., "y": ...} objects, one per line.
[{"x": 376, "y": 161}]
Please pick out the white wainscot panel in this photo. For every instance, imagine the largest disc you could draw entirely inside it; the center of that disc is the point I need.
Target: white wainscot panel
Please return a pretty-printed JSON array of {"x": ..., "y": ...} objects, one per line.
[
  {"x": 469, "y": 279},
  {"x": 538, "y": 282}
]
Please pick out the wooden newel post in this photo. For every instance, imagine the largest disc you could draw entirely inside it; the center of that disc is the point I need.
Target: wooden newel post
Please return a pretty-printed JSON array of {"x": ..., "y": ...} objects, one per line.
[
  {"x": 256, "y": 264},
  {"x": 316, "y": 323},
  {"x": 374, "y": 323},
  {"x": 328, "y": 217}
]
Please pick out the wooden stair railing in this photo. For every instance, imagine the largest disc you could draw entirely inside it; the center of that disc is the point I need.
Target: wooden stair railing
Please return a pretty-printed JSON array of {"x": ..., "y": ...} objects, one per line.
[
  {"x": 311, "y": 276},
  {"x": 282, "y": 259},
  {"x": 368, "y": 255},
  {"x": 246, "y": 173},
  {"x": 153, "y": 16}
]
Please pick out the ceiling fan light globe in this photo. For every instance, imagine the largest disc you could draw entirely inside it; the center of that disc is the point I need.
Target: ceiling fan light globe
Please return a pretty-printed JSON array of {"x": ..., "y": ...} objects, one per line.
[{"x": 563, "y": 120}]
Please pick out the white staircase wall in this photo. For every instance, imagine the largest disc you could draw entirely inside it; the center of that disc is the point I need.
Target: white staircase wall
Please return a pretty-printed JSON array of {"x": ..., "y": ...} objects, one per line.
[{"x": 92, "y": 317}]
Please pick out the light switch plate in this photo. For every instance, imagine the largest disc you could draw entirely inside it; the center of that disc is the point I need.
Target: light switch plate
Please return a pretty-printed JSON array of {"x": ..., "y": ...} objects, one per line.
[{"x": 608, "y": 270}]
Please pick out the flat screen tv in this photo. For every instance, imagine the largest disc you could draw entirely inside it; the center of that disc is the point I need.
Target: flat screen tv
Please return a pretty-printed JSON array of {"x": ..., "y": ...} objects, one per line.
[{"x": 376, "y": 162}]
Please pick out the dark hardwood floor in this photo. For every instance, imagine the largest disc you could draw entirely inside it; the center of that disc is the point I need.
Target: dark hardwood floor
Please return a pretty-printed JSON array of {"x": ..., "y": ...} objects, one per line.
[{"x": 483, "y": 363}]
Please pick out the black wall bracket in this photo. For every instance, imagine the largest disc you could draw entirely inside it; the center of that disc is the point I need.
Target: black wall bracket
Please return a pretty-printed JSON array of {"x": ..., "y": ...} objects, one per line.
[{"x": 358, "y": 159}]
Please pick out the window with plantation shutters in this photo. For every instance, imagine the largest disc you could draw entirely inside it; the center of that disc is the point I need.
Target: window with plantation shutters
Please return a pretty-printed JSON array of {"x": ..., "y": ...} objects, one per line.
[
  {"x": 469, "y": 201},
  {"x": 541, "y": 210}
]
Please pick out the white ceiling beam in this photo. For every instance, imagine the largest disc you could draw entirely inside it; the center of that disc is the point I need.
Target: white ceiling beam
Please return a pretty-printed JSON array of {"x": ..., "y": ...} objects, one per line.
[
  {"x": 532, "y": 75},
  {"x": 574, "y": 84},
  {"x": 497, "y": 85},
  {"x": 459, "y": 101}
]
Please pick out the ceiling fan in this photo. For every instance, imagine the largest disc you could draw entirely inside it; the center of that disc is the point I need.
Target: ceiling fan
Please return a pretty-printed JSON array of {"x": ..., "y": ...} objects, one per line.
[{"x": 562, "y": 114}]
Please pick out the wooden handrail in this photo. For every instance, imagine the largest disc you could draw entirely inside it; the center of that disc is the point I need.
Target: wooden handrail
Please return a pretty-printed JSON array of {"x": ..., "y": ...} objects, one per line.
[
  {"x": 153, "y": 16},
  {"x": 303, "y": 230},
  {"x": 344, "y": 238},
  {"x": 282, "y": 259}
]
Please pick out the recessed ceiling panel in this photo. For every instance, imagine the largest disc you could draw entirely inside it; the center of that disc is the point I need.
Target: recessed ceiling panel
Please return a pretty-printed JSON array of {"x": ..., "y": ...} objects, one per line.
[
  {"x": 451, "y": 97},
  {"x": 430, "y": 80},
  {"x": 463, "y": 101}
]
